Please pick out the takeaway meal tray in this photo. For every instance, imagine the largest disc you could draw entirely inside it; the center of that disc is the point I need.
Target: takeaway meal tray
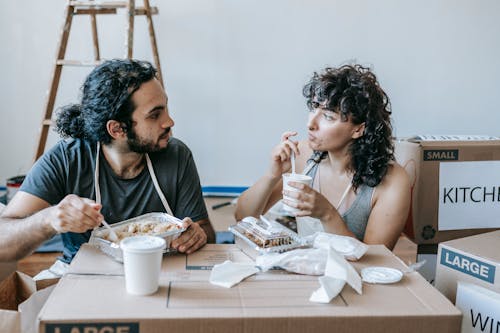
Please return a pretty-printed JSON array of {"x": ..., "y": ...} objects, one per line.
[{"x": 161, "y": 225}]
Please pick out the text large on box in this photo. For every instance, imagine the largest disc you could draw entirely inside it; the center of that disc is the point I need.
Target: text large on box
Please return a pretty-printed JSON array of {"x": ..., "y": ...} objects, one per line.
[{"x": 469, "y": 195}]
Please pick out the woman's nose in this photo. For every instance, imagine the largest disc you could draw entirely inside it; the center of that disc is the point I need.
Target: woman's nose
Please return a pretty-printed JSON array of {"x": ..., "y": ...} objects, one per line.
[{"x": 312, "y": 122}]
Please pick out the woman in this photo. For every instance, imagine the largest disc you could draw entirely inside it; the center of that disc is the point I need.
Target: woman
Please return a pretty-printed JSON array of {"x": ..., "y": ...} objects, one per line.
[{"x": 358, "y": 189}]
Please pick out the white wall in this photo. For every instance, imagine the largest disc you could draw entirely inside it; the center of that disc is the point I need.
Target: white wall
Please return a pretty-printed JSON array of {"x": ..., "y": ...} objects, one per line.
[{"x": 234, "y": 70}]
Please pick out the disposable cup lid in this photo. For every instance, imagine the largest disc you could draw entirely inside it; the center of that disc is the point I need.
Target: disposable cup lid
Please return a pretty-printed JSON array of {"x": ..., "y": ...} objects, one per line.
[
  {"x": 383, "y": 275},
  {"x": 297, "y": 177},
  {"x": 143, "y": 244}
]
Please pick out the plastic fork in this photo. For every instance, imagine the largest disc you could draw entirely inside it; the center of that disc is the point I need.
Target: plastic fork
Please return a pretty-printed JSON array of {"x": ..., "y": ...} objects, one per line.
[{"x": 112, "y": 234}]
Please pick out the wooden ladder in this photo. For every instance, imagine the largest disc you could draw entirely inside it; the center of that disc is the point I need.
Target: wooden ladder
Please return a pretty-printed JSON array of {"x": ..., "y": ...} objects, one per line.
[{"x": 93, "y": 8}]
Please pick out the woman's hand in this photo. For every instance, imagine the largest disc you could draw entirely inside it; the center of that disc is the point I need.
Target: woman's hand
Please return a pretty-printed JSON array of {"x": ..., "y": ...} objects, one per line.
[
  {"x": 280, "y": 155},
  {"x": 308, "y": 201}
]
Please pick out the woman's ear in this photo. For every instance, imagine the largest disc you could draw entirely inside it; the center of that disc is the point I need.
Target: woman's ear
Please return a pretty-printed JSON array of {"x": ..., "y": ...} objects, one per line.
[
  {"x": 115, "y": 129},
  {"x": 359, "y": 130}
]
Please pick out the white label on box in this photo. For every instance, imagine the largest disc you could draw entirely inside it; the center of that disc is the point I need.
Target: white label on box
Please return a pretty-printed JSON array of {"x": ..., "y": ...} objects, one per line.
[
  {"x": 480, "y": 308},
  {"x": 469, "y": 195}
]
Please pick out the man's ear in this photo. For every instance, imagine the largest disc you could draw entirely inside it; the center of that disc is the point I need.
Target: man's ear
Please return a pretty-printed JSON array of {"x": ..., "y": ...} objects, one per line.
[
  {"x": 359, "y": 130},
  {"x": 115, "y": 129}
]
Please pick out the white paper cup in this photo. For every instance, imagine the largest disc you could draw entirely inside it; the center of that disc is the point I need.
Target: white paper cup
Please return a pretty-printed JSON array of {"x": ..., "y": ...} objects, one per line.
[
  {"x": 142, "y": 263},
  {"x": 294, "y": 177}
]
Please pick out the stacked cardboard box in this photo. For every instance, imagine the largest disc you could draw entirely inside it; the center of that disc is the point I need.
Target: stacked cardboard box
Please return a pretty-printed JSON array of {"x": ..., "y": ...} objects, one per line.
[
  {"x": 455, "y": 190},
  {"x": 468, "y": 272}
]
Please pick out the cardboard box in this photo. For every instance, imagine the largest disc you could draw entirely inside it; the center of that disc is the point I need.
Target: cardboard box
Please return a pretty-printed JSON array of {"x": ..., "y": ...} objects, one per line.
[
  {"x": 480, "y": 307},
  {"x": 474, "y": 259},
  {"x": 20, "y": 303},
  {"x": 267, "y": 302},
  {"x": 455, "y": 188}
]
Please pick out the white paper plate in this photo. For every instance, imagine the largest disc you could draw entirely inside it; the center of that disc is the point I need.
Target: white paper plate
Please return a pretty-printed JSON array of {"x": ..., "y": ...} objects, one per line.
[{"x": 383, "y": 275}]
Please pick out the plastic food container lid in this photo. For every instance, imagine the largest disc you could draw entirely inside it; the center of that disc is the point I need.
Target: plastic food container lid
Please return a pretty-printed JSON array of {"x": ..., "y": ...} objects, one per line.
[
  {"x": 143, "y": 244},
  {"x": 383, "y": 275}
]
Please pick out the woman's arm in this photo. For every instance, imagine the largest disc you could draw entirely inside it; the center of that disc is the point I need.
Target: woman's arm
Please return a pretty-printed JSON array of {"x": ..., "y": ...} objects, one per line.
[
  {"x": 259, "y": 197},
  {"x": 267, "y": 190},
  {"x": 391, "y": 204}
]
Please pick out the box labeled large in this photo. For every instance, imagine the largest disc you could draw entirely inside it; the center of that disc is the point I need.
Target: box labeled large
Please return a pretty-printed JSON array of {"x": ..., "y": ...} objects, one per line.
[
  {"x": 455, "y": 186},
  {"x": 474, "y": 259},
  {"x": 270, "y": 302}
]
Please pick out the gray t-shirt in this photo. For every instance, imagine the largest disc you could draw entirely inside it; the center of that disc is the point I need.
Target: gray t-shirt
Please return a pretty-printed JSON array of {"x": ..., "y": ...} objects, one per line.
[{"x": 68, "y": 168}]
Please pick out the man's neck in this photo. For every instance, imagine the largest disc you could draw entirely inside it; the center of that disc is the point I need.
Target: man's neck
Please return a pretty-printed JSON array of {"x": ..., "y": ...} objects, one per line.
[{"x": 125, "y": 164}]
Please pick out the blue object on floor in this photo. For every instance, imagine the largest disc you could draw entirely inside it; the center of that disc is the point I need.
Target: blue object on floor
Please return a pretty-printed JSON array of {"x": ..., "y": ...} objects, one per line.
[
  {"x": 224, "y": 237},
  {"x": 54, "y": 244}
]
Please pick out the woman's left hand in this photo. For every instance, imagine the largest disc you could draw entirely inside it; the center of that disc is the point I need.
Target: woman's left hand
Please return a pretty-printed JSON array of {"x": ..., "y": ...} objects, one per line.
[
  {"x": 190, "y": 240},
  {"x": 308, "y": 201}
]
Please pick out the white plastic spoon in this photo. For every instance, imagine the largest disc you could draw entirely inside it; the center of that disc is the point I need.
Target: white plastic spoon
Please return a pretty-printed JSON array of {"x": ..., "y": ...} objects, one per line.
[{"x": 112, "y": 234}]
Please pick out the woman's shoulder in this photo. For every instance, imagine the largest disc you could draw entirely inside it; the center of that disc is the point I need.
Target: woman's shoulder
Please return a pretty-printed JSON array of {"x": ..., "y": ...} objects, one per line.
[{"x": 395, "y": 178}]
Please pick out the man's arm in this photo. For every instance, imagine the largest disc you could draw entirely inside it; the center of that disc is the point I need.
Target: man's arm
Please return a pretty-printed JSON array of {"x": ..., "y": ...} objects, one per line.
[
  {"x": 28, "y": 221},
  {"x": 23, "y": 226}
]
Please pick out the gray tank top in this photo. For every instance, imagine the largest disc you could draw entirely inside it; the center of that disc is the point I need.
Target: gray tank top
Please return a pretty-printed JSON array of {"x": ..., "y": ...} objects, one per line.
[{"x": 356, "y": 217}]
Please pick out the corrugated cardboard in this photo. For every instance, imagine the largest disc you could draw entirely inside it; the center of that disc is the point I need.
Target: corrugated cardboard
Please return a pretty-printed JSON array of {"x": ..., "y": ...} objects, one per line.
[
  {"x": 422, "y": 160},
  {"x": 474, "y": 259},
  {"x": 480, "y": 307},
  {"x": 20, "y": 302},
  {"x": 267, "y": 302}
]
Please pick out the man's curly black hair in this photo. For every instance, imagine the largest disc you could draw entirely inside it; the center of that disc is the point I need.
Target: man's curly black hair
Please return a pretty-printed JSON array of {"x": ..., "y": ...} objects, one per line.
[
  {"x": 353, "y": 92},
  {"x": 106, "y": 95}
]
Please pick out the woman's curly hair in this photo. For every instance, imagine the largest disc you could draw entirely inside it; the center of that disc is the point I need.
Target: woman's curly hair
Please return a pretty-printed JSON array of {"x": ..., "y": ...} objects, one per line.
[
  {"x": 353, "y": 92},
  {"x": 106, "y": 95}
]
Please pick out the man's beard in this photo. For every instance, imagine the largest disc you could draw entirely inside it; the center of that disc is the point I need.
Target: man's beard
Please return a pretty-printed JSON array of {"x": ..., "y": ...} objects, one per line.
[{"x": 141, "y": 146}]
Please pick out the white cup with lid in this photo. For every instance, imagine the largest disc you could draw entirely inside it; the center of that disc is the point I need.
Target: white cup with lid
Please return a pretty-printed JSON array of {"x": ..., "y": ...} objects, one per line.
[{"x": 142, "y": 257}]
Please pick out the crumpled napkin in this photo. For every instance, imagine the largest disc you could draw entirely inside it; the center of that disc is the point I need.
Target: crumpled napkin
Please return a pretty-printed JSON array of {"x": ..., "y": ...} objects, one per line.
[
  {"x": 349, "y": 247},
  {"x": 301, "y": 261},
  {"x": 229, "y": 273},
  {"x": 338, "y": 272}
]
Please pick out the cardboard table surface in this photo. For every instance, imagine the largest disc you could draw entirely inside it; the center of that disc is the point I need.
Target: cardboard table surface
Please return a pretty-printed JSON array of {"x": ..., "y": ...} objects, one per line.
[{"x": 94, "y": 294}]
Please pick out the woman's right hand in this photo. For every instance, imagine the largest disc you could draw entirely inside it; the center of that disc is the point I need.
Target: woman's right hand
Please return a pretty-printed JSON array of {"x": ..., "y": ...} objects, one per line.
[{"x": 281, "y": 154}]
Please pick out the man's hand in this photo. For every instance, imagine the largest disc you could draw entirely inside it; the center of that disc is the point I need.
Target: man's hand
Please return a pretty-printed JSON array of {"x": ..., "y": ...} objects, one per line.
[
  {"x": 192, "y": 239},
  {"x": 75, "y": 214}
]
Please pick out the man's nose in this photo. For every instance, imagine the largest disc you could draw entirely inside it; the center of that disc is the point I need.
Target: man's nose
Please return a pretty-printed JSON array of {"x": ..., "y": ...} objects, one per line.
[{"x": 169, "y": 122}]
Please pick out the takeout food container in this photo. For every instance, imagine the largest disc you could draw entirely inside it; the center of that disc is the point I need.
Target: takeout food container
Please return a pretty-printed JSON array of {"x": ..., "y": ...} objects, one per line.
[
  {"x": 260, "y": 236},
  {"x": 161, "y": 225}
]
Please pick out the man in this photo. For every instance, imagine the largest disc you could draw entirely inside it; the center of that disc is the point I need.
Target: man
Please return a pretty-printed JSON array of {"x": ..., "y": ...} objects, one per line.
[{"x": 119, "y": 162}]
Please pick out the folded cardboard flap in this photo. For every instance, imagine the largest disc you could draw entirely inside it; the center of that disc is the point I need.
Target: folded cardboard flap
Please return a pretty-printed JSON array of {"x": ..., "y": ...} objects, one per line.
[
  {"x": 15, "y": 289},
  {"x": 19, "y": 291}
]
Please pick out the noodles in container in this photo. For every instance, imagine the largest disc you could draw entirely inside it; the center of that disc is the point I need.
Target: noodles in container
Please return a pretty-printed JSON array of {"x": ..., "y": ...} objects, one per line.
[
  {"x": 161, "y": 225},
  {"x": 260, "y": 236}
]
